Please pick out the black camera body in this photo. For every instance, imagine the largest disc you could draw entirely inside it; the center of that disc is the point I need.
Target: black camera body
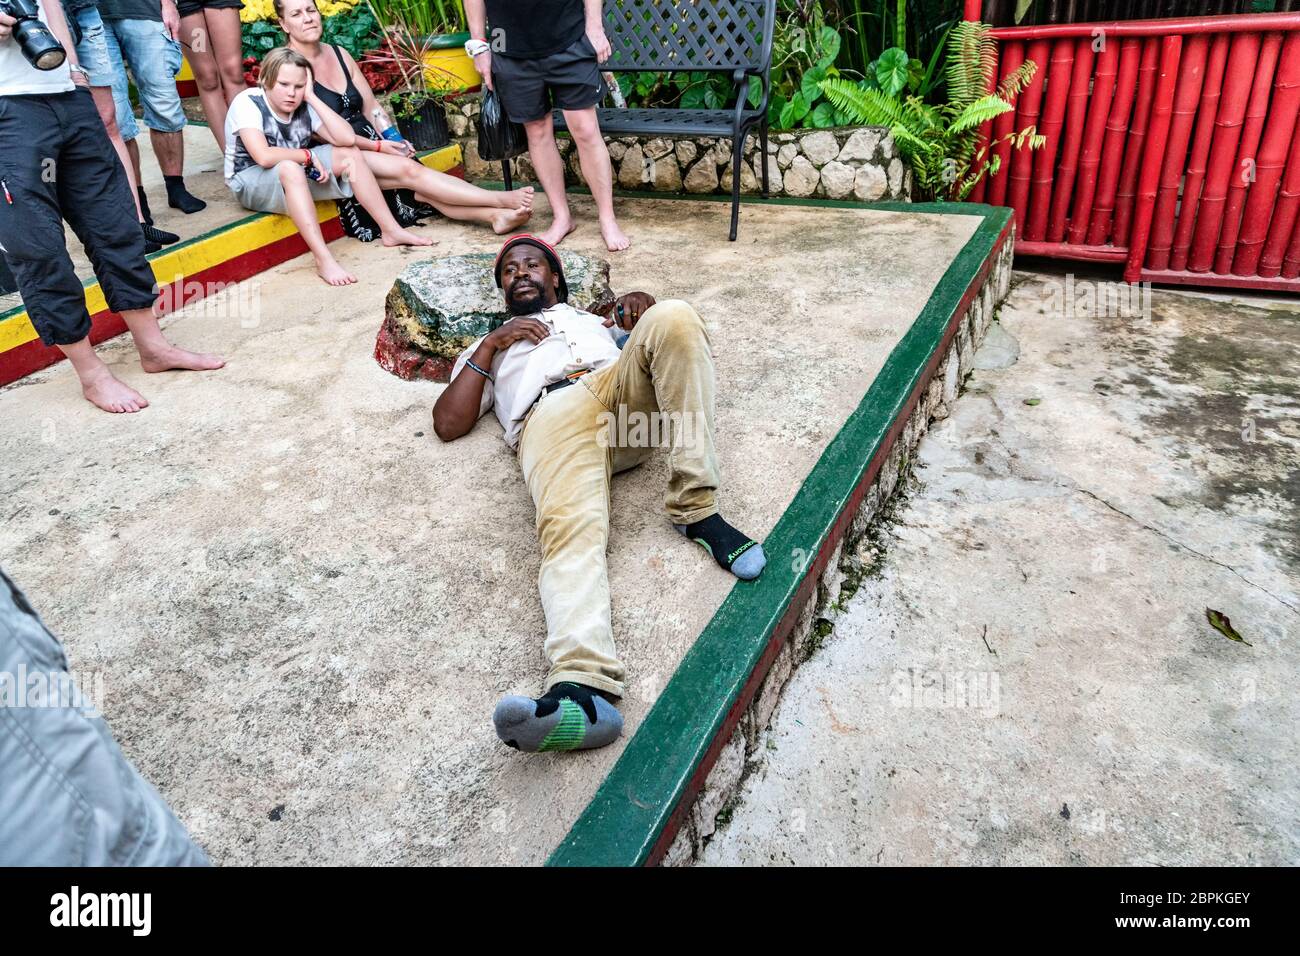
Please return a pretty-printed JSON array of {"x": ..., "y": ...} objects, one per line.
[{"x": 33, "y": 37}]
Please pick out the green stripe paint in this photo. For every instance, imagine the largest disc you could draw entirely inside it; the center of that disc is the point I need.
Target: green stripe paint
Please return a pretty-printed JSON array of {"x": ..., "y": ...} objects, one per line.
[{"x": 627, "y": 818}]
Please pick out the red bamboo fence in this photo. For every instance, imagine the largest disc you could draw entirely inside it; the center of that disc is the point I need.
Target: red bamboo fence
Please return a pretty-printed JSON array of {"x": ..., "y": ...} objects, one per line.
[{"x": 1173, "y": 147}]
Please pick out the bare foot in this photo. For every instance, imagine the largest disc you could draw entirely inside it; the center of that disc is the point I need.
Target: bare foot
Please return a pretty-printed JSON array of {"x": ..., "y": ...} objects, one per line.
[
  {"x": 171, "y": 358},
  {"x": 400, "y": 237},
  {"x": 333, "y": 273},
  {"x": 105, "y": 391},
  {"x": 508, "y": 220},
  {"x": 559, "y": 229},
  {"x": 516, "y": 198},
  {"x": 615, "y": 240}
]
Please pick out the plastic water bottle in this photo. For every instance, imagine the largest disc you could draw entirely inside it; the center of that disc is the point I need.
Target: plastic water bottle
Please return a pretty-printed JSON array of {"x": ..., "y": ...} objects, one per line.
[{"x": 386, "y": 129}]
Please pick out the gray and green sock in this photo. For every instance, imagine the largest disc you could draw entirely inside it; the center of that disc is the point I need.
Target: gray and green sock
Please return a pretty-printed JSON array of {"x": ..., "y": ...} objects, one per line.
[{"x": 569, "y": 716}]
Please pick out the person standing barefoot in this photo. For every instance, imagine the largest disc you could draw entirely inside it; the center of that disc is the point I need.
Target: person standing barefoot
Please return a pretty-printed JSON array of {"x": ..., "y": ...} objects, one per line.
[
  {"x": 545, "y": 55},
  {"x": 50, "y": 117}
]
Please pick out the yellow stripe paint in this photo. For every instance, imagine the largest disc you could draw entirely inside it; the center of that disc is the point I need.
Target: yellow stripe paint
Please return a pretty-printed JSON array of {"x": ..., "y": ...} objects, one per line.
[{"x": 207, "y": 251}]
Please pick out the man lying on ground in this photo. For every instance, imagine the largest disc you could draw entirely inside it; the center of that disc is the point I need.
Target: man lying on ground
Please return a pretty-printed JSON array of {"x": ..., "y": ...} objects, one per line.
[
  {"x": 271, "y": 166},
  {"x": 56, "y": 163},
  {"x": 558, "y": 383}
]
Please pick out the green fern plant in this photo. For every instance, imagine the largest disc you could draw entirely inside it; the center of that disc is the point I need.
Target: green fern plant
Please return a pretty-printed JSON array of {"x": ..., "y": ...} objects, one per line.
[{"x": 941, "y": 142}]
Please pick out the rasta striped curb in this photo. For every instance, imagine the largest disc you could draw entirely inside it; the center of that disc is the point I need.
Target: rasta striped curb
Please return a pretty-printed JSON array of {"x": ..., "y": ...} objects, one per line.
[{"x": 187, "y": 271}]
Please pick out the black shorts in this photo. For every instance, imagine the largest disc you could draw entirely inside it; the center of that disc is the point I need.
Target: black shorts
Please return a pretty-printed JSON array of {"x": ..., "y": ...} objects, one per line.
[
  {"x": 568, "y": 80},
  {"x": 62, "y": 133},
  {"x": 186, "y": 7}
]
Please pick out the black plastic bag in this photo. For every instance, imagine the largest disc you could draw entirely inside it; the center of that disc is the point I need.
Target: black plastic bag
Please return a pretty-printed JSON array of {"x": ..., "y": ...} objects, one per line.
[{"x": 498, "y": 138}]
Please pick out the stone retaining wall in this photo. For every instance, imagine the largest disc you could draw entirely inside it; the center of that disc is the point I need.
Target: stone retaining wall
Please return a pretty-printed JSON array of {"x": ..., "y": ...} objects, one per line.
[
  {"x": 853, "y": 163},
  {"x": 746, "y": 750}
]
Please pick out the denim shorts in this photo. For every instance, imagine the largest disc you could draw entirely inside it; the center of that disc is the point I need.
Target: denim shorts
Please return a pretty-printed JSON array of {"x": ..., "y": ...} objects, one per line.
[
  {"x": 92, "y": 50},
  {"x": 154, "y": 59}
]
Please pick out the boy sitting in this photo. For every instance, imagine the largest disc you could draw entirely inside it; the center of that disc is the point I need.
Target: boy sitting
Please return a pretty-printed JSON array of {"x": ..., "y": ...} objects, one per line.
[{"x": 271, "y": 166}]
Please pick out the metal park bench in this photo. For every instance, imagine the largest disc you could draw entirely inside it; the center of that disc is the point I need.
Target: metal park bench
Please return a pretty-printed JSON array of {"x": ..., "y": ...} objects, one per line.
[{"x": 716, "y": 36}]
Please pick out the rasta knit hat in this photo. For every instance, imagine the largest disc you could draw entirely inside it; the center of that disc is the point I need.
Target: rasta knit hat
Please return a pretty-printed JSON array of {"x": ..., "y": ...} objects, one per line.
[{"x": 552, "y": 258}]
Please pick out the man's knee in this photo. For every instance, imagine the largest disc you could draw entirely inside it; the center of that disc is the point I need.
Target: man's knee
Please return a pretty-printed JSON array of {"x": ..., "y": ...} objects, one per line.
[
  {"x": 675, "y": 319},
  {"x": 541, "y": 131},
  {"x": 585, "y": 131},
  {"x": 579, "y": 529}
]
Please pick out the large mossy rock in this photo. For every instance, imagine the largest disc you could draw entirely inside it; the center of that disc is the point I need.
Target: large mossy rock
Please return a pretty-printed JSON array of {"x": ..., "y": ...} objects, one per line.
[{"x": 439, "y": 306}]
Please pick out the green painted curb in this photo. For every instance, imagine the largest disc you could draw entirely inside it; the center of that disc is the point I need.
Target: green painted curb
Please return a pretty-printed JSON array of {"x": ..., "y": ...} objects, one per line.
[{"x": 625, "y": 819}]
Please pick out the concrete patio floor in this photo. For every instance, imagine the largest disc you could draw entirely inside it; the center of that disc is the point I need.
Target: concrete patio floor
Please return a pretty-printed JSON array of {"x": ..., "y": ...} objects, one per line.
[
  {"x": 1026, "y": 676},
  {"x": 303, "y": 607}
]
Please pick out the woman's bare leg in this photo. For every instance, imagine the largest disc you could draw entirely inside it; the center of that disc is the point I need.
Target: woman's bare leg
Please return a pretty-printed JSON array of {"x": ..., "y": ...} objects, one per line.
[
  {"x": 349, "y": 165},
  {"x": 396, "y": 172},
  {"x": 197, "y": 44},
  {"x": 224, "y": 34}
]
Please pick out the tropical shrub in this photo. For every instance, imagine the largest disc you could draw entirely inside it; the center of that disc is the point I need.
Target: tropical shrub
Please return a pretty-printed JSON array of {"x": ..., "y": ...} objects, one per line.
[{"x": 941, "y": 142}]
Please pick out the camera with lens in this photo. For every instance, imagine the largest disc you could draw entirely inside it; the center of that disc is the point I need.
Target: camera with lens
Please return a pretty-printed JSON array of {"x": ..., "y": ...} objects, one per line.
[{"x": 33, "y": 37}]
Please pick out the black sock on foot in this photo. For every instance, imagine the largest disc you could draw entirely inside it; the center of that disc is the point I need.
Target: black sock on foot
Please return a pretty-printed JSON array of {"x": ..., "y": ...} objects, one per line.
[
  {"x": 144, "y": 206},
  {"x": 732, "y": 549},
  {"x": 157, "y": 236},
  {"x": 178, "y": 197}
]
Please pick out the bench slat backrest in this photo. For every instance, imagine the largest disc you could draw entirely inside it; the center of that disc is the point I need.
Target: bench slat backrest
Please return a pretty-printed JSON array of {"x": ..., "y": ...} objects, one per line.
[{"x": 668, "y": 35}]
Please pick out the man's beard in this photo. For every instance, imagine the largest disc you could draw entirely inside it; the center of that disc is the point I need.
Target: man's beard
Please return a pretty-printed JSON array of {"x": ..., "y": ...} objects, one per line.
[{"x": 528, "y": 307}]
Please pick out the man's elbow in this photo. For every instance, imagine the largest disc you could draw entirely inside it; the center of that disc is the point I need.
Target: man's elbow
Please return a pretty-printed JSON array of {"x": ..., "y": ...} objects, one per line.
[{"x": 444, "y": 429}]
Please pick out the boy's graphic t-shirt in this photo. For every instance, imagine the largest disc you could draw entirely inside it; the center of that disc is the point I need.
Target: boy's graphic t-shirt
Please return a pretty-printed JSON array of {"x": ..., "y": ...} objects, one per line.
[{"x": 250, "y": 110}]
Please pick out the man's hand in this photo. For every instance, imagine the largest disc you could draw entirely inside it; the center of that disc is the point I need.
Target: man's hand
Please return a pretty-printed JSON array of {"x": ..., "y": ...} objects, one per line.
[
  {"x": 600, "y": 43},
  {"x": 517, "y": 330},
  {"x": 627, "y": 310},
  {"x": 171, "y": 19},
  {"x": 6, "y": 26},
  {"x": 483, "y": 63}
]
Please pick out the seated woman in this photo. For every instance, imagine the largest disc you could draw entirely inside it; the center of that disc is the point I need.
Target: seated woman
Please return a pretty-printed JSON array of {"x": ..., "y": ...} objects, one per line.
[
  {"x": 271, "y": 169},
  {"x": 340, "y": 84}
]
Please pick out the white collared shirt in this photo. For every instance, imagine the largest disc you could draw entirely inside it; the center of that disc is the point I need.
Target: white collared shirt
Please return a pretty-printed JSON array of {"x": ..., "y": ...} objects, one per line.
[{"x": 578, "y": 340}]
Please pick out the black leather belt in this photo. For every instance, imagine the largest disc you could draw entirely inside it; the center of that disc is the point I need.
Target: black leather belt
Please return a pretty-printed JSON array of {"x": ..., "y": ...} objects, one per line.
[{"x": 563, "y": 382}]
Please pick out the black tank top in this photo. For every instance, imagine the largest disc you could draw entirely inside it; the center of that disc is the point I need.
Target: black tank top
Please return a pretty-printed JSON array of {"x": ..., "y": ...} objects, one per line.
[{"x": 348, "y": 103}]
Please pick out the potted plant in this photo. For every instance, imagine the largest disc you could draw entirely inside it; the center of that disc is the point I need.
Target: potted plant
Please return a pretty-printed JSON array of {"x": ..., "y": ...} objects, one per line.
[
  {"x": 442, "y": 30},
  {"x": 419, "y": 89}
]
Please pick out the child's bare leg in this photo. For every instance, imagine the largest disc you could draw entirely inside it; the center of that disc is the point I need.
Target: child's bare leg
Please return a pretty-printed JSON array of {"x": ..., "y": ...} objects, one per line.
[
  {"x": 101, "y": 388},
  {"x": 302, "y": 210},
  {"x": 159, "y": 355},
  {"x": 349, "y": 165}
]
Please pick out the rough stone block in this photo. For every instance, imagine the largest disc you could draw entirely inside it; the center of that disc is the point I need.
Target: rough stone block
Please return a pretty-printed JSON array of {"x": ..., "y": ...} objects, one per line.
[
  {"x": 870, "y": 184},
  {"x": 838, "y": 179},
  {"x": 702, "y": 177},
  {"x": 861, "y": 146},
  {"x": 820, "y": 147},
  {"x": 719, "y": 785},
  {"x": 437, "y": 307},
  {"x": 802, "y": 178}
]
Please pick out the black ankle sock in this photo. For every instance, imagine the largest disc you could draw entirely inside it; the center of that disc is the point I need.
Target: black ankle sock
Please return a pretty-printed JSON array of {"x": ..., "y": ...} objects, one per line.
[
  {"x": 178, "y": 197},
  {"x": 144, "y": 206},
  {"x": 727, "y": 545},
  {"x": 158, "y": 236},
  {"x": 580, "y": 694}
]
